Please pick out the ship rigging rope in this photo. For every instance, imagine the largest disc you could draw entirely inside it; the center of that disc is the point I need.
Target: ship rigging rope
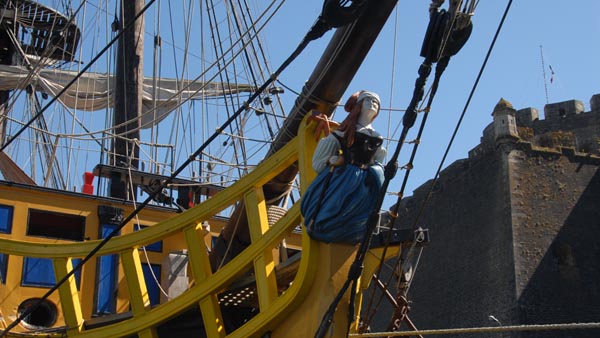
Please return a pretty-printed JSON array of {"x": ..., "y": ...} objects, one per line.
[
  {"x": 217, "y": 37},
  {"x": 392, "y": 73},
  {"x": 138, "y": 226},
  {"x": 315, "y": 32},
  {"x": 485, "y": 329},
  {"x": 431, "y": 54},
  {"x": 107, "y": 131},
  {"x": 307, "y": 93},
  {"x": 174, "y": 135},
  {"x": 440, "y": 67},
  {"x": 33, "y": 69},
  {"x": 85, "y": 69},
  {"x": 39, "y": 301},
  {"x": 462, "y": 115},
  {"x": 459, "y": 122},
  {"x": 264, "y": 62}
]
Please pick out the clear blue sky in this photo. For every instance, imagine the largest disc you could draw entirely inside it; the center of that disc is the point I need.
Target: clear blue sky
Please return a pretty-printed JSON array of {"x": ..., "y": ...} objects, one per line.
[{"x": 568, "y": 32}]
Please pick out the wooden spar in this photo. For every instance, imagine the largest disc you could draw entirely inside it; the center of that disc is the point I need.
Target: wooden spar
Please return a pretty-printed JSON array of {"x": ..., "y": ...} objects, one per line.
[
  {"x": 128, "y": 95},
  {"x": 328, "y": 82},
  {"x": 336, "y": 68},
  {"x": 46, "y": 34}
]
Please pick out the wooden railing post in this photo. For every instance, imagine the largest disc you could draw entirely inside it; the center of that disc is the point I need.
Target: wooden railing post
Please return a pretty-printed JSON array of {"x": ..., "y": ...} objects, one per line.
[
  {"x": 139, "y": 299},
  {"x": 200, "y": 265},
  {"x": 264, "y": 265},
  {"x": 69, "y": 298}
]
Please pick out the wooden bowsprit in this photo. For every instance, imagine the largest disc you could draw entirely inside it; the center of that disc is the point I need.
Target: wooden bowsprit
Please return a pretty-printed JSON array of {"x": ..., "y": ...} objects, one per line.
[{"x": 442, "y": 40}]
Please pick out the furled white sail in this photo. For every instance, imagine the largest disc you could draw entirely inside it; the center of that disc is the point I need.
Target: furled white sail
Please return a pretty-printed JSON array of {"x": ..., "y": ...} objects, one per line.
[{"x": 94, "y": 91}]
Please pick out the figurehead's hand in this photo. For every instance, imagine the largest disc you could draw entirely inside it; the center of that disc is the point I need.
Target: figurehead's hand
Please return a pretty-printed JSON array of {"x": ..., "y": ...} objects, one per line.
[
  {"x": 336, "y": 161},
  {"x": 323, "y": 124}
]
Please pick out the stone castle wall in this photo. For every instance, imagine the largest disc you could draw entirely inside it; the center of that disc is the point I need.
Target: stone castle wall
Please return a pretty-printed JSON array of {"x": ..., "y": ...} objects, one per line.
[
  {"x": 466, "y": 271},
  {"x": 515, "y": 229},
  {"x": 556, "y": 229}
]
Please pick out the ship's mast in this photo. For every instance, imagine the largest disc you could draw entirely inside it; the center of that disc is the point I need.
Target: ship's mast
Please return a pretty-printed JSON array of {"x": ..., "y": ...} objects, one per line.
[
  {"x": 328, "y": 82},
  {"x": 128, "y": 95},
  {"x": 30, "y": 32}
]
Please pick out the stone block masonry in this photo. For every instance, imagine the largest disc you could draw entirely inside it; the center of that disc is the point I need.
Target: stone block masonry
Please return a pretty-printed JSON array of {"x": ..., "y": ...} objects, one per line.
[{"x": 515, "y": 228}]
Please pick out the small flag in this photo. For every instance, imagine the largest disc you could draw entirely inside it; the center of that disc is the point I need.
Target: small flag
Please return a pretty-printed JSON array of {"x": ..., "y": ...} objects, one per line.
[{"x": 551, "y": 74}]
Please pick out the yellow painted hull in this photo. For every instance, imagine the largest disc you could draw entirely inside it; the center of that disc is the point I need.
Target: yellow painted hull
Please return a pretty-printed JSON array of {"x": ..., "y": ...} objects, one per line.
[{"x": 296, "y": 306}]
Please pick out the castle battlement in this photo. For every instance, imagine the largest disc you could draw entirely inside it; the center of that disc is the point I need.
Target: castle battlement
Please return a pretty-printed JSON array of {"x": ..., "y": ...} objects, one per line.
[
  {"x": 566, "y": 124},
  {"x": 519, "y": 217},
  {"x": 561, "y": 110}
]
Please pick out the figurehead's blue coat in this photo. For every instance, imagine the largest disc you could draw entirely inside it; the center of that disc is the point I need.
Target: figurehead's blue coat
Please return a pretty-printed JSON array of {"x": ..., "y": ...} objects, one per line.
[{"x": 338, "y": 203}]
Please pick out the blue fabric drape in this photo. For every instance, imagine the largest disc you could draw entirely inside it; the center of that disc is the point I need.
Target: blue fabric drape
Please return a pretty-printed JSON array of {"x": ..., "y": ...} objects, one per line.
[{"x": 349, "y": 198}]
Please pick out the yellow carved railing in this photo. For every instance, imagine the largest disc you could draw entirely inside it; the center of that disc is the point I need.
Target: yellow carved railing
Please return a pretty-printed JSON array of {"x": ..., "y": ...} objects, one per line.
[{"x": 203, "y": 293}]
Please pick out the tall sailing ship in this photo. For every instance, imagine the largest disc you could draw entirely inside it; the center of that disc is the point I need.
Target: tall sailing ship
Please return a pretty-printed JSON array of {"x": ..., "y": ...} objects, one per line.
[{"x": 151, "y": 172}]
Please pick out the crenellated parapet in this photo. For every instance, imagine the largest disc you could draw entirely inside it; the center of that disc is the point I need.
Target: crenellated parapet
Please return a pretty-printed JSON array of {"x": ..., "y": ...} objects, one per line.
[
  {"x": 520, "y": 217},
  {"x": 562, "y": 110},
  {"x": 566, "y": 124},
  {"x": 595, "y": 103}
]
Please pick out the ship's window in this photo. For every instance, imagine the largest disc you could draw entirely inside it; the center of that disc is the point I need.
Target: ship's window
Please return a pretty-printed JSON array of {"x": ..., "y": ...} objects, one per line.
[
  {"x": 156, "y": 247},
  {"x": 152, "y": 279},
  {"x": 6, "y": 213},
  {"x": 3, "y": 267},
  {"x": 56, "y": 225},
  {"x": 42, "y": 316},
  {"x": 39, "y": 272}
]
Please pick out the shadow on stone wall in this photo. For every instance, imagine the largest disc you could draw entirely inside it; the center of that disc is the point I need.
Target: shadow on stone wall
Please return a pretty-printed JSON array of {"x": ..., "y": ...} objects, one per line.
[{"x": 565, "y": 286}]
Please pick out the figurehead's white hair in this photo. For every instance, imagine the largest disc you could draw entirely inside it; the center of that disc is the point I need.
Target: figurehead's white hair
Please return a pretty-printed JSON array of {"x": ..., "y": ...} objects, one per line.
[{"x": 364, "y": 94}]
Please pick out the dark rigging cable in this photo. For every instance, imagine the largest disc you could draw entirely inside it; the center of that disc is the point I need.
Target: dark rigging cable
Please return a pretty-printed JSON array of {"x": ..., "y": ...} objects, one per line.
[
  {"x": 39, "y": 301},
  {"x": 83, "y": 71},
  {"x": 333, "y": 16},
  {"x": 439, "y": 27},
  {"x": 490, "y": 49},
  {"x": 390, "y": 171},
  {"x": 462, "y": 115},
  {"x": 218, "y": 47},
  {"x": 247, "y": 56},
  {"x": 409, "y": 167}
]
